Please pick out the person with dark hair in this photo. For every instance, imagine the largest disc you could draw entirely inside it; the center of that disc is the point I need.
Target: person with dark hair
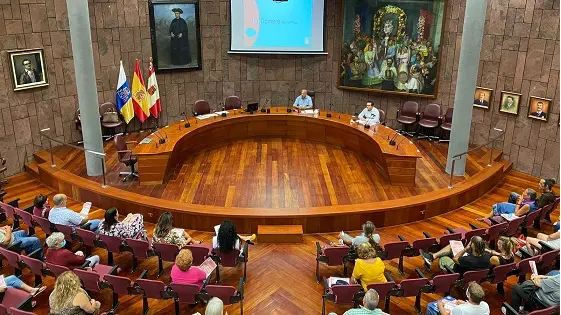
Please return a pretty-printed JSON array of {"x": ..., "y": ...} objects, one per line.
[
  {"x": 131, "y": 227},
  {"x": 41, "y": 206},
  {"x": 544, "y": 289},
  {"x": 547, "y": 196},
  {"x": 369, "y": 115},
  {"x": 367, "y": 235},
  {"x": 179, "y": 39},
  {"x": 477, "y": 257},
  {"x": 525, "y": 204},
  {"x": 228, "y": 239},
  {"x": 165, "y": 233}
]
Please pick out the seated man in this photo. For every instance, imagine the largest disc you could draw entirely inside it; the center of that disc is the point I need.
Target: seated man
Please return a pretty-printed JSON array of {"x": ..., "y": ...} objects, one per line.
[
  {"x": 547, "y": 196},
  {"x": 59, "y": 214},
  {"x": 28, "y": 243},
  {"x": 369, "y": 305},
  {"x": 524, "y": 204},
  {"x": 477, "y": 257},
  {"x": 474, "y": 305},
  {"x": 303, "y": 101},
  {"x": 544, "y": 289},
  {"x": 370, "y": 115}
]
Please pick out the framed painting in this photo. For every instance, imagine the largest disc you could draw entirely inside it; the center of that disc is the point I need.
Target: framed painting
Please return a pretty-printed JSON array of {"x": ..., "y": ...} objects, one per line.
[
  {"x": 538, "y": 108},
  {"x": 391, "y": 46},
  {"x": 483, "y": 97},
  {"x": 28, "y": 68},
  {"x": 510, "y": 102},
  {"x": 175, "y": 34}
]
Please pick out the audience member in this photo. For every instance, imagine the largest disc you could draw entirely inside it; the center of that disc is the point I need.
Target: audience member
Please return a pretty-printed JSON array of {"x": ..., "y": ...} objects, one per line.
[
  {"x": 505, "y": 255},
  {"x": 68, "y": 298},
  {"x": 14, "y": 282},
  {"x": 58, "y": 255},
  {"x": 476, "y": 259},
  {"x": 184, "y": 272},
  {"x": 215, "y": 306},
  {"x": 368, "y": 268},
  {"x": 41, "y": 206},
  {"x": 227, "y": 239},
  {"x": 473, "y": 306},
  {"x": 165, "y": 233},
  {"x": 556, "y": 226},
  {"x": 544, "y": 289},
  {"x": 131, "y": 227},
  {"x": 369, "y": 305},
  {"x": 28, "y": 243},
  {"x": 60, "y": 214},
  {"x": 367, "y": 235},
  {"x": 524, "y": 204},
  {"x": 547, "y": 197},
  {"x": 534, "y": 242}
]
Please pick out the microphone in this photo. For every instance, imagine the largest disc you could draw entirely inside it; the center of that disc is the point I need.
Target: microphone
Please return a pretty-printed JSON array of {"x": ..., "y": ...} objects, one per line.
[
  {"x": 223, "y": 109},
  {"x": 288, "y": 109},
  {"x": 329, "y": 114},
  {"x": 397, "y": 148},
  {"x": 160, "y": 139},
  {"x": 165, "y": 132},
  {"x": 267, "y": 105},
  {"x": 367, "y": 124},
  {"x": 187, "y": 124},
  {"x": 392, "y": 141}
]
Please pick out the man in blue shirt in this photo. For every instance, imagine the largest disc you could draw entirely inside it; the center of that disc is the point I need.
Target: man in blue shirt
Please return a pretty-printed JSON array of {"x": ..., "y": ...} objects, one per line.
[
  {"x": 370, "y": 115},
  {"x": 59, "y": 214},
  {"x": 303, "y": 101}
]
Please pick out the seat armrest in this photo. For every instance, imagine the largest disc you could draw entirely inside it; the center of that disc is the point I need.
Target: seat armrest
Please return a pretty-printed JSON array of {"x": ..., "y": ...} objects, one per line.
[
  {"x": 36, "y": 254},
  {"x": 114, "y": 270},
  {"x": 318, "y": 248},
  {"x": 473, "y": 227},
  {"x": 493, "y": 221},
  {"x": 450, "y": 230},
  {"x": 509, "y": 309},
  {"x": 15, "y": 247},
  {"x": 29, "y": 209},
  {"x": 144, "y": 274},
  {"x": 389, "y": 276},
  {"x": 419, "y": 273},
  {"x": 85, "y": 265},
  {"x": 401, "y": 238},
  {"x": 448, "y": 269},
  {"x": 545, "y": 247},
  {"x": 85, "y": 226},
  {"x": 27, "y": 304},
  {"x": 14, "y": 203},
  {"x": 525, "y": 253},
  {"x": 240, "y": 288},
  {"x": 427, "y": 235}
]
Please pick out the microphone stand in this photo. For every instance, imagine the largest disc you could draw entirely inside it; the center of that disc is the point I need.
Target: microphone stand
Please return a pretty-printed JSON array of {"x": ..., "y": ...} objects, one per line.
[
  {"x": 187, "y": 124},
  {"x": 392, "y": 141},
  {"x": 288, "y": 109},
  {"x": 223, "y": 109},
  {"x": 268, "y": 105},
  {"x": 329, "y": 113},
  {"x": 367, "y": 124},
  {"x": 397, "y": 147}
]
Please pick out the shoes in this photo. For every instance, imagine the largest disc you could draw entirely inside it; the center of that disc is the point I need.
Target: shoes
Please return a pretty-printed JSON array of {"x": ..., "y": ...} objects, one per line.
[
  {"x": 426, "y": 256},
  {"x": 503, "y": 309}
]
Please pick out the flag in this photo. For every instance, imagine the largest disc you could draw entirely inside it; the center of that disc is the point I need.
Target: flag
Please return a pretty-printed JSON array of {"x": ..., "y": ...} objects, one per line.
[
  {"x": 124, "y": 99},
  {"x": 153, "y": 91},
  {"x": 139, "y": 95}
]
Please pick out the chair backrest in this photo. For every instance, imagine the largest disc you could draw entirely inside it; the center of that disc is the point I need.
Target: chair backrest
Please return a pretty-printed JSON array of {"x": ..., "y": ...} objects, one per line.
[
  {"x": 88, "y": 237},
  {"x": 500, "y": 273},
  {"x": 120, "y": 145},
  {"x": 547, "y": 259},
  {"x": 494, "y": 231},
  {"x": 531, "y": 217},
  {"x": 14, "y": 297},
  {"x": 229, "y": 259},
  {"x": 44, "y": 223},
  {"x": 335, "y": 254},
  {"x": 13, "y": 258},
  {"x": 394, "y": 250},
  {"x": 382, "y": 288},
  {"x": 167, "y": 252},
  {"x": 89, "y": 279},
  {"x": 201, "y": 107},
  {"x": 432, "y": 112},
  {"x": 443, "y": 283},
  {"x": 449, "y": 114},
  {"x": 411, "y": 287},
  {"x": 152, "y": 288},
  {"x": 200, "y": 253},
  {"x": 232, "y": 102},
  {"x": 186, "y": 293},
  {"x": 66, "y": 230},
  {"x": 139, "y": 248},
  {"x": 35, "y": 265},
  {"x": 475, "y": 275},
  {"x": 471, "y": 233},
  {"x": 120, "y": 285},
  {"x": 57, "y": 269},
  {"x": 15, "y": 311},
  {"x": 312, "y": 95},
  {"x": 344, "y": 294},
  {"x": 410, "y": 109},
  {"x": 423, "y": 243},
  {"x": 25, "y": 217},
  {"x": 223, "y": 292},
  {"x": 105, "y": 107},
  {"x": 523, "y": 266},
  {"x": 382, "y": 116},
  {"x": 446, "y": 238},
  {"x": 546, "y": 311},
  {"x": 8, "y": 210},
  {"x": 113, "y": 243},
  {"x": 513, "y": 226}
]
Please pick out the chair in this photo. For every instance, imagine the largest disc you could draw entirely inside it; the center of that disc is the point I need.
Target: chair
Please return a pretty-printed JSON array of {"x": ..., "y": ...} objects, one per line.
[
  {"x": 529, "y": 220},
  {"x": 231, "y": 259},
  {"x": 110, "y": 122},
  {"x": 523, "y": 267},
  {"x": 36, "y": 266},
  {"x": 382, "y": 116},
  {"x": 153, "y": 289},
  {"x": 228, "y": 294},
  {"x": 88, "y": 239},
  {"x": 199, "y": 252},
  {"x": 312, "y": 95},
  {"x": 340, "y": 294},
  {"x": 27, "y": 219},
  {"x": 512, "y": 228},
  {"x": 474, "y": 275},
  {"x": 547, "y": 259},
  {"x": 112, "y": 244},
  {"x": 412, "y": 250},
  {"x": 67, "y": 231},
  {"x": 91, "y": 279},
  {"x": 47, "y": 227},
  {"x": 9, "y": 210},
  {"x": 15, "y": 298},
  {"x": 446, "y": 125},
  {"x": 201, "y": 107},
  {"x": 408, "y": 115},
  {"x": 140, "y": 249},
  {"x": 409, "y": 288},
  {"x": 13, "y": 257},
  {"x": 15, "y": 311},
  {"x": 394, "y": 250},
  {"x": 56, "y": 270},
  {"x": 184, "y": 293},
  {"x": 121, "y": 285},
  {"x": 429, "y": 121},
  {"x": 440, "y": 283},
  {"x": 493, "y": 233},
  {"x": 467, "y": 235},
  {"x": 125, "y": 156},
  {"x": 165, "y": 252},
  {"x": 332, "y": 256},
  {"x": 383, "y": 290},
  {"x": 232, "y": 102},
  {"x": 546, "y": 311},
  {"x": 500, "y": 274}
]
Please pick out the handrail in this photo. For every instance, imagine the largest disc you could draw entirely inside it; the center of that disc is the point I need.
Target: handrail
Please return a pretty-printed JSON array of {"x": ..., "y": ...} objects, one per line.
[
  {"x": 99, "y": 155},
  {"x": 459, "y": 155}
]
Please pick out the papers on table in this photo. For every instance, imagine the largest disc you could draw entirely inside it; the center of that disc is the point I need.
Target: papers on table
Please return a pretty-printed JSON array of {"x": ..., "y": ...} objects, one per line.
[
  {"x": 177, "y": 231},
  {"x": 509, "y": 216},
  {"x": 533, "y": 267},
  {"x": 208, "y": 266},
  {"x": 333, "y": 281},
  {"x": 307, "y": 111},
  {"x": 86, "y": 208},
  {"x": 145, "y": 141},
  {"x": 205, "y": 116},
  {"x": 456, "y": 246},
  {"x": 222, "y": 112}
]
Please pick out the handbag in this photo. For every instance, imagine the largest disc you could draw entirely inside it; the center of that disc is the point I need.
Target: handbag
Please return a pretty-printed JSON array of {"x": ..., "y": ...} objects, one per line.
[{"x": 110, "y": 116}]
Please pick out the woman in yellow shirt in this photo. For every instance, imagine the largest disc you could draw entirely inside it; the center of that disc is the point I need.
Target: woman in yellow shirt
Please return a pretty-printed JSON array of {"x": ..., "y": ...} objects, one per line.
[{"x": 368, "y": 268}]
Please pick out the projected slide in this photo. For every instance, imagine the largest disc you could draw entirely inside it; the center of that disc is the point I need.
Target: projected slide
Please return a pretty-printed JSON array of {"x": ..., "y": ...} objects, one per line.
[{"x": 266, "y": 25}]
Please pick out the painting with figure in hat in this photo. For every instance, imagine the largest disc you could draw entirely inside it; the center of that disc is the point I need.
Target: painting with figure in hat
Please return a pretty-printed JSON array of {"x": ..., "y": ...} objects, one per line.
[{"x": 174, "y": 27}]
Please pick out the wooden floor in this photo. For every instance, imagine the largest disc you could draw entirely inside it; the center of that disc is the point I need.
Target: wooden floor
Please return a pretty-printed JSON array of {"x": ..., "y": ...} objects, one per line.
[
  {"x": 281, "y": 277},
  {"x": 278, "y": 173}
]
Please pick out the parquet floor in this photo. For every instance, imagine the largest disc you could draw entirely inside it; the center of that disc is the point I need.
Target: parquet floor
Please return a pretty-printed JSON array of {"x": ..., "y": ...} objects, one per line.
[
  {"x": 278, "y": 173},
  {"x": 281, "y": 277}
]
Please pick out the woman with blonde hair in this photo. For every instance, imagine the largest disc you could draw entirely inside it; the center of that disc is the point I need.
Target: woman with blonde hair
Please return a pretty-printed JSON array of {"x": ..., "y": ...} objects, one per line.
[
  {"x": 368, "y": 268},
  {"x": 183, "y": 271},
  {"x": 505, "y": 255},
  {"x": 68, "y": 297}
]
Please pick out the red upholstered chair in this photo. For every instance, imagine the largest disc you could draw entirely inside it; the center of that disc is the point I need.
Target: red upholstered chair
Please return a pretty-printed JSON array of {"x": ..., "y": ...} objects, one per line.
[
  {"x": 165, "y": 252},
  {"x": 45, "y": 224},
  {"x": 446, "y": 125},
  {"x": 36, "y": 266},
  {"x": 523, "y": 267},
  {"x": 201, "y": 107},
  {"x": 383, "y": 290},
  {"x": 546, "y": 311},
  {"x": 27, "y": 219},
  {"x": 184, "y": 293},
  {"x": 382, "y": 116},
  {"x": 409, "y": 288},
  {"x": 429, "y": 120},
  {"x": 440, "y": 283},
  {"x": 545, "y": 264},
  {"x": 93, "y": 280},
  {"x": 125, "y": 156},
  {"x": 140, "y": 249},
  {"x": 231, "y": 259},
  {"x": 153, "y": 289},
  {"x": 112, "y": 244},
  {"x": 500, "y": 274},
  {"x": 88, "y": 239},
  {"x": 15, "y": 298},
  {"x": 56, "y": 270},
  {"x": 199, "y": 252},
  {"x": 332, "y": 256},
  {"x": 109, "y": 121},
  {"x": 9, "y": 211},
  {"x": 394, "y": 250},
  {"x": 121, "y": 285},
  {"x": 408, "y": 116},
  {"x": 67, "y": 231},
  {"x": 493, "y": 233},
  {"x": 232, "y": 102},
  {"x": 15, "y": 311},
  {"x": 228, "y": 294},
  {"x": 467, "y": 235},
  {"x": 474, "y": 275},
  {"x": 513, "y": 226},
  {"x": 529, "y": 220},
  {"x": 340, "y": 294},
  {"x": 412, "y": 250}
]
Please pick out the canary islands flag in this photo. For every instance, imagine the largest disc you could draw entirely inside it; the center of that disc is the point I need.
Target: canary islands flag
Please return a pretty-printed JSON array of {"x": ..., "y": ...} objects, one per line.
[
  {"x": 140, "y": 101},
  {"x": 124, "y": 97}
]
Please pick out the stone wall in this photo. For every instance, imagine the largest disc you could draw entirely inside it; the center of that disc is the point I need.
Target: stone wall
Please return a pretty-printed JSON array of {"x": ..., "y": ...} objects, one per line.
[{"x": 521, "y": 54}]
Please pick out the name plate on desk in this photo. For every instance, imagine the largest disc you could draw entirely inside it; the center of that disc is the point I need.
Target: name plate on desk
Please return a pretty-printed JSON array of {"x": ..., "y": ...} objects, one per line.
[
  {"x": 145, "y": 141},
  {"x": 205, "y": 116}
]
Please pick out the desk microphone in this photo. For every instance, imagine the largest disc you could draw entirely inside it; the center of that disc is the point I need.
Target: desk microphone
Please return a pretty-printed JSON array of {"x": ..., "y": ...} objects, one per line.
[
  {"x": 329, "y": 113},
  {"x": 367, "y": 124},
  {"x": 165, "y": 133},
  {"x": 223, "y": 108},
  {"x": 160, "y": 139},
  {"x": 392, "y": 140},
  {"x": 397, "y": 148},
  {"x": 187, "y": 124},
  {"x": 268, "y": 106},
  {"x": 288, "y": 109}
]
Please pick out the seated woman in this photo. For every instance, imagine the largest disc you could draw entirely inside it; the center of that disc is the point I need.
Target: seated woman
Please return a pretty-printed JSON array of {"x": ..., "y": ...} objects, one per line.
[
  {"x": 58, "y": 255},
  {"x": 545, "y": 186},
  {"x": 227, "y": 239},
  {"x": 29, "y": 243},
  {"x": 477, "y": 257},
  {"x": 183, "y": 272},
  {"x": 367, "y": 235},
  {"x": 68, "y": 298},
  {"x": 131, "y": 227},
  {"x": 368, "y": 268},
  {"x": 505, "y": 255},
  {"x": 15, "y": 282},
  {"x": 165, "y": 233},
  {"x": 532, "y": 243},
  {"x": 524, "y": 204},
  {"x": 41, "y": 206}
]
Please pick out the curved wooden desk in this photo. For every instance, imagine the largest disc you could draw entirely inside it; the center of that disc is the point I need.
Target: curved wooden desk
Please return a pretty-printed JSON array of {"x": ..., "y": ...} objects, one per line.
[{"x": 397, "y": 163}]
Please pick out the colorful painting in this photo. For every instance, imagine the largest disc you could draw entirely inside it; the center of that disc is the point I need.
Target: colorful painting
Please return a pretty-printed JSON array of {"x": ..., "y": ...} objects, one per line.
[{"x": 391, "y": 46}]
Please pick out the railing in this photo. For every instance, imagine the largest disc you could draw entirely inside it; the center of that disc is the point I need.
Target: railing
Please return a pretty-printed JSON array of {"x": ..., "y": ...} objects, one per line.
[
  {"x": 98, "y": 155},
  {"x": 459, "y": 155}
]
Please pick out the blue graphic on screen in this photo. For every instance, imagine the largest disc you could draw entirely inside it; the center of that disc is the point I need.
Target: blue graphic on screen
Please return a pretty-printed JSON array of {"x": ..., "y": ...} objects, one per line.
[{"x": 278, "y": 24}]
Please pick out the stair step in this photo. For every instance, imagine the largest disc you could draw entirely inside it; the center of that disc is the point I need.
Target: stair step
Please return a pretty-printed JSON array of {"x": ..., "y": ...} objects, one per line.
[
  {"x": 497, "y": 156},
  {"x": 45, "y": 156},
  {"x": 280, "y": 234},
  {"x": 32, "y": 168}
]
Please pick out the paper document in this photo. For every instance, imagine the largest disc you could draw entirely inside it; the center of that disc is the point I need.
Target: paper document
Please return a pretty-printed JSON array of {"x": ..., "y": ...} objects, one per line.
[
  {"x": 145, "y": 141},
  {"x": 307, "y": 111},
  {"x": 222, "y": 112},
  {"x": 450, "y": 305},
  {"x": 86, "y": 208},
  {"x": 457, "y": 246},
  {"x": 206, "y": 116},
  {"x": 333, "y": 281},
  {"x": 179, "y": 232},
  {"x": 208, "y": 266},
  {"x": 2, "y": 282},
  {"x": 216, "y": 227},
  {"x": 533, "y": 267},
  {"x": 509, "y": 216}
]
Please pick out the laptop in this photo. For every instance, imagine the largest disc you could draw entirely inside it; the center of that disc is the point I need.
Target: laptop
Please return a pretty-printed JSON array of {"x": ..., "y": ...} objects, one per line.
[{"x": 252, "y": 107}]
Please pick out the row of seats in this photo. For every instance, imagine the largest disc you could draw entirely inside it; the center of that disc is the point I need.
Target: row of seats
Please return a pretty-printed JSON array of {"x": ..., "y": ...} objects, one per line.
[{"x": 428, "y": 120}]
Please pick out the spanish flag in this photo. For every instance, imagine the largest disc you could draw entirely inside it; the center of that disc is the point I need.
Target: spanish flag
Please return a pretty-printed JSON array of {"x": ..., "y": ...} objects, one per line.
[
  {"x": 140, "y": 100},
  {"x": 124, "y": 99}
]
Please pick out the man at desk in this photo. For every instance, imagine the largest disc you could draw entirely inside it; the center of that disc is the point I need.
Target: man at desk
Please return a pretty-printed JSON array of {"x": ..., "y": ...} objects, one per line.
[
  {"x": 303, "y": 101},
  {"x": 370, "y": 115}
]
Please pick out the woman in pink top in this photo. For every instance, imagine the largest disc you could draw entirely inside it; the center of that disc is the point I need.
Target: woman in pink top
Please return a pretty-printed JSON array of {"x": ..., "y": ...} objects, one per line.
[{"x": 182, "y": 272}]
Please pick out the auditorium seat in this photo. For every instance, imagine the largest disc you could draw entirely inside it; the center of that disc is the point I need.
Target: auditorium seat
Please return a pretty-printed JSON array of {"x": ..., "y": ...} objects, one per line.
[
  {"x": 27, "y": 219},
  {"x": 46, "y": 225},
  {"x": 92, "y": 280},
  {"x": 546, "y": 311},
  {"x": 523, "y": 267},
  {"x": 67, "y": 231},
  {"x": 467, "y": 235},
  {"x": 56, "y": 270},
  {"x": 472, "y": 275},
  {"x": 529, "y": 220},
  {"x": 493, "y": 232},
  {"x": 140, "y": 249},
  {"x": 232, "y": 102},
  {"x": 332, "y": 256},
  {"x": 446, "y": 125},
  {"x": 110, "y": 120},
  {"x": 16, "y": 311},
  {"x": 394, "y": 250},
  {"x": 8, "y": 209},
  {"x": 15, "y": 298},
  {"x": 183, "y": 293},
  {"x": 88, "y": 240},
  {"x": 125, "y": 156},
  {"x": 121, "y": 285},
  {"x": 429, "y": 121},
  {"x": 37, "y": 267},
  {"x": 500, "y": 274},
  {"x": 408, "y": 116},
  {"x": 440, "y": 283},
  {"x": 231, "y": 259},
  {"x": 165, "y": 252},
  {"x": 153, "y": 289},
  {"x": 340, "y": 294},
  {"x": 201, "y": 107},
  {"x": 199, "y": 253},
  {"x": 383, "y": 289},
  {"x": 227, "y": 294},
  {"x": 113, "y": 245},
  {"x": 12, "y": 256},
  {"x": 410, "y": 288}
]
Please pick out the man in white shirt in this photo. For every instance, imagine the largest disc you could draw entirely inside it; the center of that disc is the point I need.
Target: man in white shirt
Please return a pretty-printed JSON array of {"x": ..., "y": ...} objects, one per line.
[
  {"x": 60, "y": 214},
  {"x": 474, "y": 306},
  {"x": 370, "y": 115},
  {"x": 303, "y": 101}
]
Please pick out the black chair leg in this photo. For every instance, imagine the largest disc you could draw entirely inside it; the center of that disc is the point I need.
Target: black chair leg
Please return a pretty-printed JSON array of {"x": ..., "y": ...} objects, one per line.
[
  {"x": 160, "y": 267},
  {"x": 110, "y": 258},
  {"x": 115, "y": 301},
  {"x": 145, "y": 307}
]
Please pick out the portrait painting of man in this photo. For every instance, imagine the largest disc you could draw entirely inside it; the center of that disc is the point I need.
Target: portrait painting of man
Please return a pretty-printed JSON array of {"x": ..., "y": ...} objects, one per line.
[
  {"x": 510, "y": 102},
  {"x": 538, "y": 108},
  {"x": 483, "y": 97},
  {"x": 28, "y": 69}
]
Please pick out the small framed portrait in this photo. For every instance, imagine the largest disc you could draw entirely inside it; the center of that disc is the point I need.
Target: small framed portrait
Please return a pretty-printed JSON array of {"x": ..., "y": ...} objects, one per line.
[
  {"x": 28, "y": 68},
  {"x": 175, "y": 33},
  {"x": 483, "y": 97},
  {"x": 538, "y": 108},
  {"x": 510, "y": 102}
]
